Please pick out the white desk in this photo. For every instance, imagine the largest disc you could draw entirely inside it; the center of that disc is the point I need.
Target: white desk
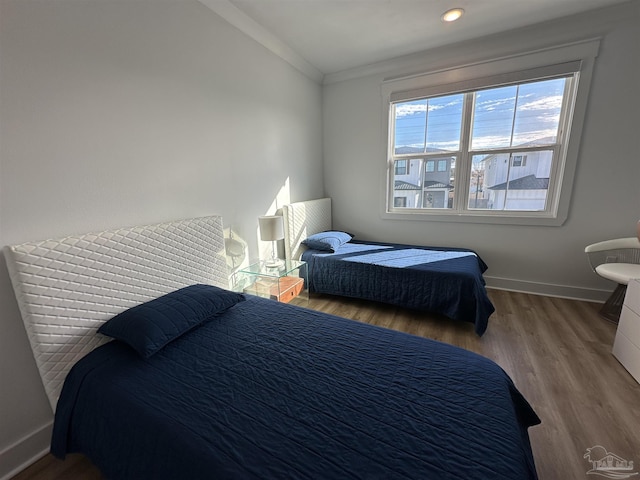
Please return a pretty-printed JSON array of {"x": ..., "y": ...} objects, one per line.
[{"x": 626, "y": 347}]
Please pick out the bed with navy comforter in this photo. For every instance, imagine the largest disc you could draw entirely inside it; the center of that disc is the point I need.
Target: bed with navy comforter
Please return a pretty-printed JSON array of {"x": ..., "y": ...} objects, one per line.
[
  {"x": 264, "y": 390},
  {"x": 446, "y": 281}
]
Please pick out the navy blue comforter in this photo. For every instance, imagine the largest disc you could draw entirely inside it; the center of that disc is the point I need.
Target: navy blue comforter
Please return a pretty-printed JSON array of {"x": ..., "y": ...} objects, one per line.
[
  {"x": 439, "y": 280},
  {"x": 274, "y": 391}
]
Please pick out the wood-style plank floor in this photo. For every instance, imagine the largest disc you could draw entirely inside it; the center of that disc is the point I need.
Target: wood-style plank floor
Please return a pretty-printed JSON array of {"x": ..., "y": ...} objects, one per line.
[{"x": 558, "y": 353}]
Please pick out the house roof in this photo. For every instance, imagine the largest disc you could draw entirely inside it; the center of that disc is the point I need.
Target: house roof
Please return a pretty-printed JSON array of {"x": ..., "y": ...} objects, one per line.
[
  {"x": 434, "y": 184},
  {"x": 530, "y": 182},
  {"x": 402, "y": 185}
]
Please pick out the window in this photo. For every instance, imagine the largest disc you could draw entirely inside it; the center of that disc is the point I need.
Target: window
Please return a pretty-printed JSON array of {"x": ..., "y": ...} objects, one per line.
[
  {"x": 402, "y": 167},
  {"x": 400, "y": 202},
  {"x": 519, "y": 161},
  {"x": 500, "y": 124},
  {"x": 489, "y": 147}
]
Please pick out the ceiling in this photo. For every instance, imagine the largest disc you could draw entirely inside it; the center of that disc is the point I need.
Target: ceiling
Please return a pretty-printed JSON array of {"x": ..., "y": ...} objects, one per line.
[{"x": 337, "y": 35}]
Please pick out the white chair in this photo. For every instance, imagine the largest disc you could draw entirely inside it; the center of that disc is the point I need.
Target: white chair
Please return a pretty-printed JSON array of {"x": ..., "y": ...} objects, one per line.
[{"x": 619, "y": 261}]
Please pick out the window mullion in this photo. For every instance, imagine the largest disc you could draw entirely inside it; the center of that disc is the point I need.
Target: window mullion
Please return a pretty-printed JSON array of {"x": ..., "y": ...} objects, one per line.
[
  {"x": 463, "y": 165},
  {"x": 391, "y": 157},
  {"x": 426, "y": 125},
  {"x": 420, "y": 201}
]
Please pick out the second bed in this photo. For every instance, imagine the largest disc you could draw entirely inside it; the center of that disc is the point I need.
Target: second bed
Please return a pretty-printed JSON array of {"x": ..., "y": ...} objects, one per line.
[{"x": 446, "y": 281}]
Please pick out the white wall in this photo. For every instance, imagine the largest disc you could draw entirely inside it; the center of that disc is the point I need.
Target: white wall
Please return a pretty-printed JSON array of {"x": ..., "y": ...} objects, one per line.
[
  {"x": 120, "y": 113},
  {"x": 606, "y": 198}
]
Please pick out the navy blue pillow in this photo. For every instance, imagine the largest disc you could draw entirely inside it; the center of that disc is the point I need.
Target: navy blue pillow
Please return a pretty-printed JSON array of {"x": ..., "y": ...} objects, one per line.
[
  {"x": 151, "y": 325},
  {"x": 328, "y": 241}
]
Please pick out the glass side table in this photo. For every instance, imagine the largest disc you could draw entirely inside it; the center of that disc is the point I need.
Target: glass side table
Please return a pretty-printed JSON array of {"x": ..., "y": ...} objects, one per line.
[{"x": 286, "y": 283}]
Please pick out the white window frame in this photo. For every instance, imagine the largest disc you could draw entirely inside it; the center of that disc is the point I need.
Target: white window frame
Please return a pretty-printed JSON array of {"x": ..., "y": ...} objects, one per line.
[{"x": 576, "y": 57}]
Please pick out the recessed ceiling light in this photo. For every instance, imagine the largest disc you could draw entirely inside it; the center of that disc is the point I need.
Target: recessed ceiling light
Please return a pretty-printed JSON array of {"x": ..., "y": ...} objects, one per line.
[{"x": 452, "y": 15}]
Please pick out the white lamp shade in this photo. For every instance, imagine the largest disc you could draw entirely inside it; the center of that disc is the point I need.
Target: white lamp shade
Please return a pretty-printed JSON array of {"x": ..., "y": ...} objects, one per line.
[{"x": 271, "y": 228}]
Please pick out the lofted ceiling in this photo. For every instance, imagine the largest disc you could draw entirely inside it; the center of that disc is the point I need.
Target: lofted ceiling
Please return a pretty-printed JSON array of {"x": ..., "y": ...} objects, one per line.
[{"x": 337, "y": 35}]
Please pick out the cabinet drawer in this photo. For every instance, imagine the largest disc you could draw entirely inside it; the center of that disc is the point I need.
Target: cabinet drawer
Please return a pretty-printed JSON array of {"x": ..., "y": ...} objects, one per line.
[
  {"x": 629, "y": 325},
  {"x": 283, "y": 289},
  {"x": 290, "y": 288},
  {"x": 632, "y": 297},
  {"x": 628, "y": 355}
]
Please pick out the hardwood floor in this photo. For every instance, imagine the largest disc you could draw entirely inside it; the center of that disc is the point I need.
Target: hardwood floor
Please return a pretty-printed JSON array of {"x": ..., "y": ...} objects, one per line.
[{"x": 558, "y": 353}]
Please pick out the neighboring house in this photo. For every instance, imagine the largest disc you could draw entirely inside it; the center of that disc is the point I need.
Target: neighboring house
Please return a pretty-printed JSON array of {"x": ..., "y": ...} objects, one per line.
[
  {"x": 516, "y": 182},
  {"x": 422, "y": 183},
  {"x": 502, "y": 181},
  {"x": 407, "y": 183}
]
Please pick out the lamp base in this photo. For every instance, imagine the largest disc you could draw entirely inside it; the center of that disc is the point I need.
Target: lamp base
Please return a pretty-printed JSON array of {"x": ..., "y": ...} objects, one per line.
[{"x": 274, "y": 262}]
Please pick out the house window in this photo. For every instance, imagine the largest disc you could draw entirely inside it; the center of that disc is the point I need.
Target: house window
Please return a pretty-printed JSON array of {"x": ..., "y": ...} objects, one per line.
[
  {"x": 519, "y": 161},
  {"x": 491, "y": 146},
  {"x": 400, "y": 202},
  {"x": 402, "y": 167}
]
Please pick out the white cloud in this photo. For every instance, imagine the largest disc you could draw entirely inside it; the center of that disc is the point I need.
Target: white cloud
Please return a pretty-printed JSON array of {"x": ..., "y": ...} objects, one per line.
[
  {"x": 404, "y": 109},
  {"x": 494, "y": 104},
  {"x": 545, "y": 103}
]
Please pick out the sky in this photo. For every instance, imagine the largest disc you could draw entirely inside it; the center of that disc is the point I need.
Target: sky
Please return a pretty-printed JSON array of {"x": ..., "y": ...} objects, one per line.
[{"x": 503, "y": 117}]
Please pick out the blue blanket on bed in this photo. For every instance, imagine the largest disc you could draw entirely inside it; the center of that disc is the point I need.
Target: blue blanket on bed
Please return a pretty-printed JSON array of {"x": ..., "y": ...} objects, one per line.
[
  {"x": 445, "y": 281},
  {"x": 275, "y": 391}
]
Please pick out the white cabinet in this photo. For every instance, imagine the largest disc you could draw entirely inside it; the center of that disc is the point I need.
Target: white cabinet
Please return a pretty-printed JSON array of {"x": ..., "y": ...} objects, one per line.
[{"x": 626, "y": 347}]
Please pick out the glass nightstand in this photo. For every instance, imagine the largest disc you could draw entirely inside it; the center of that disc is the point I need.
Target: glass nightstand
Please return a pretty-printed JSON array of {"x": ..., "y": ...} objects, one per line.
[{"x": 285, "y": 283}]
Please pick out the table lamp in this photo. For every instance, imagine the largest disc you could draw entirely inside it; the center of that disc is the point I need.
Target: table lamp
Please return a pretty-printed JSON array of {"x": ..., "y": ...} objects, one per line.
[{"x": 272, "y": 230}]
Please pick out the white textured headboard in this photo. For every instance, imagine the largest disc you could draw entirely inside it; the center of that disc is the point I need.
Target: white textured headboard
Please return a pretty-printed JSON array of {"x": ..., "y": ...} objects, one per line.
[
  {"x": 302, "y": 219},
  {"x": 67, "y": 288}
]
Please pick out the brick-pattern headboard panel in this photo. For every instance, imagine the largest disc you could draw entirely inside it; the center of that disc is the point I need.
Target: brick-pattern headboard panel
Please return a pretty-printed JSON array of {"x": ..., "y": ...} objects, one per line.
[
  {"x": 66, "y": 288},
  {"x": 302, "y": 219}
]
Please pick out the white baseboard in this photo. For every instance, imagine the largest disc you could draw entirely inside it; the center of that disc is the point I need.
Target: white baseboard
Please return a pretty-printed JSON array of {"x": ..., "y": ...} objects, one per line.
[
  {"x": 25, "y": 451},
  {"x": 548, "y": 289}
]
